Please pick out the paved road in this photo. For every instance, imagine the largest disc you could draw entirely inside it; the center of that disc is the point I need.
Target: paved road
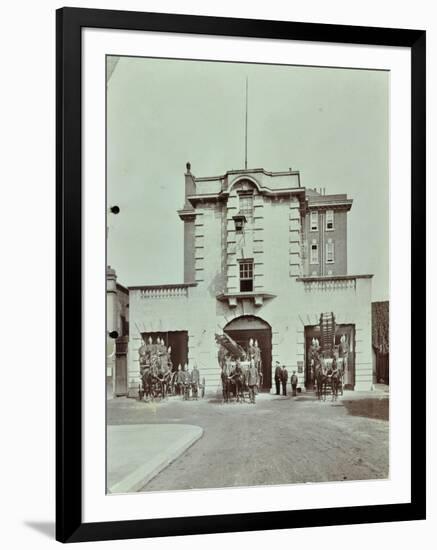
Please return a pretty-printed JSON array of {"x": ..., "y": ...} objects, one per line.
[{"x": 279, "y": 440}]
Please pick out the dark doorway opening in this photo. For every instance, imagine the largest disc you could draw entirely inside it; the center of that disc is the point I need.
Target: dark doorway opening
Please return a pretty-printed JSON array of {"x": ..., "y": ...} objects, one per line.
[
  {"x": 382, "y": 368},
  {"x": 242, "y": 329},
  {"x": 178, "y": 340}
]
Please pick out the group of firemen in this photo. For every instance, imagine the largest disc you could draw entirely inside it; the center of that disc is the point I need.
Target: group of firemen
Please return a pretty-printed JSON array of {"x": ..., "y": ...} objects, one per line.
[
  {"x": 281, "y": 379},
  {"x": 186, "y": 381}
]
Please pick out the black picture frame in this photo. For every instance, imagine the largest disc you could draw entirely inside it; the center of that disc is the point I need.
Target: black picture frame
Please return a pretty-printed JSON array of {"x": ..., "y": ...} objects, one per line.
[{"x": 69, "y": 24}]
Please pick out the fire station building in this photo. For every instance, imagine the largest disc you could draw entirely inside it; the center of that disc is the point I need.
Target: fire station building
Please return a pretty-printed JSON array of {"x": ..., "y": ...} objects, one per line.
[{"x": 264, "y": 257}]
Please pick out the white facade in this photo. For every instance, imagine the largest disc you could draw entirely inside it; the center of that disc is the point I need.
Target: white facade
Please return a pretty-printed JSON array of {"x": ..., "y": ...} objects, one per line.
[{"x": 281, "y": 293}]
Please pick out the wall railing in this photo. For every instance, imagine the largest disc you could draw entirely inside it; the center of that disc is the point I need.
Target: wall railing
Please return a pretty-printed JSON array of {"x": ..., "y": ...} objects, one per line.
[
  {"x": 163, "y": 291},
  {"x": 331, "y": 283}
]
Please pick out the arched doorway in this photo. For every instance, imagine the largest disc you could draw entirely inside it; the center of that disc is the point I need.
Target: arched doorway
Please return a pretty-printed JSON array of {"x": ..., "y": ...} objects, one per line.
[{"x": 242, "y": 329}]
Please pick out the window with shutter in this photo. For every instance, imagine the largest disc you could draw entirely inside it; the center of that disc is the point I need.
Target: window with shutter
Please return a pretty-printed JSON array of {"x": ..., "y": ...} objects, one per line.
[
  {"x": 329, "y": 220},
  {"x": 330, "y": 252}
]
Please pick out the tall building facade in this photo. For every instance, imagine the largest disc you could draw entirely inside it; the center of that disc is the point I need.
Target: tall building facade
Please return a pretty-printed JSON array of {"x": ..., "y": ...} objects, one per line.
[{"x": 263, "y": 258}]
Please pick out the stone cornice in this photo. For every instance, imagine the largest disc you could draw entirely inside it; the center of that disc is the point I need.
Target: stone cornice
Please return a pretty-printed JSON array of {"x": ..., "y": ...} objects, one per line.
[
  {"x": 234, "y": 297},
  {"x": 185, "y": 214}
]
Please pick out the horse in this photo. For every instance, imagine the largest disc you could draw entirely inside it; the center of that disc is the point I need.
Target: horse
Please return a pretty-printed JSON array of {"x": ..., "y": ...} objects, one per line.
[
  {"x": 321, "y": 380},
  {"x": 341, "y": 365},
  {"x": 226, "y": 380},
  {"x": 147, "y": 383},
  {"x": 237, "y": 381},
  {"x": 162, "y": 380}
]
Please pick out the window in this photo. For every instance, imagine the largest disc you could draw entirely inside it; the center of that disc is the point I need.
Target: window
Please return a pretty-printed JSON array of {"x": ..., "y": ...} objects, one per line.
[
  {"x": 330, "y": 252},
  {"x": 329, "y": 220},
  {"x": 246, "y": 205},
  {"x": 314, "y": 220},
  {"x": 246, "y": 276},
  {"x": 314, "y": 258}
]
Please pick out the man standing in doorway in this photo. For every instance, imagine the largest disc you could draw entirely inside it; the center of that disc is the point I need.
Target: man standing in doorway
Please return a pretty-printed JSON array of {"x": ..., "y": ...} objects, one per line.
[
  {"x": 284, "y": 380},
  {"x": 293, "y": 381},
  {"x": 278, "y": 378},
  {"x": 252, "y": 380}
]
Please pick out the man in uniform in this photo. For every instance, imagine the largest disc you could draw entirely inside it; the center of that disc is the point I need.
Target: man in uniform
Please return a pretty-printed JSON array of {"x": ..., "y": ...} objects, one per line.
[
  {"x": 195, "y": 381},
  {"x": 252, "y": 380},
  {"x": 251, "y": 350},
  {"x": 284, "y": 380},
  {"x": 293, "y": 381},
  {"x": 186, "y": 381},
  {"x": 278, "y": 378},
  {"x": 180, "y": 378},
  {"x": 258, "y": 364}
]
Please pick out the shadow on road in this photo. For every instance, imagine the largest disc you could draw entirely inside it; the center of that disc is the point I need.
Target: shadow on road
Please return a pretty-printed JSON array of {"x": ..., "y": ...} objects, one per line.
[
  {"x": 311, "y": 397},
  {"x": 368, "y": 408},
  {"x": 215, "y": 400}
]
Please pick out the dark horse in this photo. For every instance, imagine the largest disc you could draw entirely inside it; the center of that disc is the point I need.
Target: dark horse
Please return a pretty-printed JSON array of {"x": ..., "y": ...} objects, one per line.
[
  {"x": 147, "y": 383},
  {"x": 233, "y": 380},
  {"x": 321, "y": 381},
  {"x": 238, "y": 381}
]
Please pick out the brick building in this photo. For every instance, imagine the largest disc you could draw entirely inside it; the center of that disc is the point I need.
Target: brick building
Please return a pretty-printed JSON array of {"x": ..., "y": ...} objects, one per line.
[{"x": 263, "y": 258}]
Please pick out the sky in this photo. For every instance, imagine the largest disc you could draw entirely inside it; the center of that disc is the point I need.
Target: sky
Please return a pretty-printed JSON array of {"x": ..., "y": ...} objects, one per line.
[{"x": 331, "y": 124}]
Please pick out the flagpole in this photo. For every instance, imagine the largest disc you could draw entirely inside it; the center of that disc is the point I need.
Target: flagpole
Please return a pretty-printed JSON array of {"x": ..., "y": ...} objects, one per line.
[{"x": 245, "y": 138}]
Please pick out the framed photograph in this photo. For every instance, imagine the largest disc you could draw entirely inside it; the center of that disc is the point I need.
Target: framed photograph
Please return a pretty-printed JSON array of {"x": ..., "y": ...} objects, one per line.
[{"x": 241, "y": 257}]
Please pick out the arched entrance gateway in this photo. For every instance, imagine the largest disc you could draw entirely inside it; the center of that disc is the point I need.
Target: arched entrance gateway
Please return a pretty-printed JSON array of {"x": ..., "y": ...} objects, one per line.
[{"x": 242, "y": 329}]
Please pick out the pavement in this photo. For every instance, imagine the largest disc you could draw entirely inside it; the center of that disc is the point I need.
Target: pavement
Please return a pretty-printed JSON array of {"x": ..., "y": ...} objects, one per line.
[
  {"x": 279, "y": 440},
  {"x": 138, "y": 452}
]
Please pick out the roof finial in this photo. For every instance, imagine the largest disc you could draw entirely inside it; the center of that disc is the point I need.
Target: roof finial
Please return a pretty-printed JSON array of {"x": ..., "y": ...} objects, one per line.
[{"x": 245, "y": 138}]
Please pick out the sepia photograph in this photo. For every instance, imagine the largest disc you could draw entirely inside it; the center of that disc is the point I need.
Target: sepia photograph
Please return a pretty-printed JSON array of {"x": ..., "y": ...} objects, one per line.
[{"x": 247, "y": 274}]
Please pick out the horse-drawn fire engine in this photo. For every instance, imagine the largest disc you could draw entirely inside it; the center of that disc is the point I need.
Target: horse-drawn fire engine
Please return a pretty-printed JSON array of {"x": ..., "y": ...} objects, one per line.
[
  {"x": 326, "y": 360},
  {"x": 235, "y": 362},
  {"x": 159, "y": 380}
]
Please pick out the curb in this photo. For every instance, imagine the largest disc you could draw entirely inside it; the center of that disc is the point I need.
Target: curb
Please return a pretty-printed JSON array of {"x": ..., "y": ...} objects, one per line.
[{"x": 144, "y": 473}]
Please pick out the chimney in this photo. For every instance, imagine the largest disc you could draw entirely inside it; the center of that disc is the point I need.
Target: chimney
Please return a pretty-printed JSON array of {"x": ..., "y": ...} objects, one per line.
[
  {"x": 188, "y": 216},
  {"x": 190, "y": 186}
]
